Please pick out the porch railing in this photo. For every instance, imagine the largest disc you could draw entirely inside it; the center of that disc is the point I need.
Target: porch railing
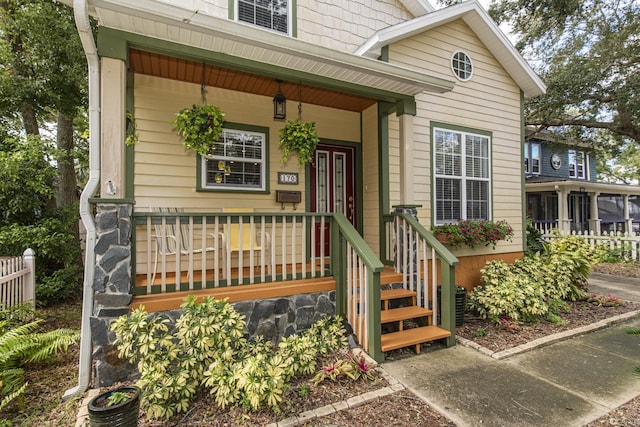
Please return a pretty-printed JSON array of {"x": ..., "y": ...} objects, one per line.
[
  {"x": 179, "y": 251},
  {"x": 356, "y": 269},
  {"x": 425, "y": 264},
  {"x": 17, "y": 280}
]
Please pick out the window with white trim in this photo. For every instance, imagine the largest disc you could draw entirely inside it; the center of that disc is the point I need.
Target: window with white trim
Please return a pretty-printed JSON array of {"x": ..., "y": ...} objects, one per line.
[
  {"x": 462, "y": 176},
  {"x": 577, "y": 164},
  {"x": 461, "y": 65},
  {"x": 532, "y": 158},
  {"x": 237, "y": 162},
  {"x": 271, "y": 14}
]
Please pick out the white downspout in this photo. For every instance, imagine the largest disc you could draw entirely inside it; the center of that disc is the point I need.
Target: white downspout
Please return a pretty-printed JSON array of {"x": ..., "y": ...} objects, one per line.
[{"x": 81, "y": 14}]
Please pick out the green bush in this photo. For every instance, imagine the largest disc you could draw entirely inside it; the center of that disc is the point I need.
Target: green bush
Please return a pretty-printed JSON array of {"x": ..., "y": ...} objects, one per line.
[
  {"x": 20, "y": 344},
  {"x": 535, "y": 242},
  {"x": 207, "y": 348},
  {"x": 58, "y": 271},
  {"x": 527, "y": 289}
]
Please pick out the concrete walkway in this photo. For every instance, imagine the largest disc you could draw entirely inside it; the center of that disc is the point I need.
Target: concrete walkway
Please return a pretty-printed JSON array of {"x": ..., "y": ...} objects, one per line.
[{"x": 568, "y": 383}]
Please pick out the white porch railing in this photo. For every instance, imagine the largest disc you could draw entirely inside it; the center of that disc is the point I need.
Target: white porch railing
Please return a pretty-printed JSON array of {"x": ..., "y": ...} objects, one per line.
[
  {"x": 17, "y": 280},
  {"x": 425, "y": 262},
  {"x": 627, "y": 245},
  {"x": 179, "y": 251}
]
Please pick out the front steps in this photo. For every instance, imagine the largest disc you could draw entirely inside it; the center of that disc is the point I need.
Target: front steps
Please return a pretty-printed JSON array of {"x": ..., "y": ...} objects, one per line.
[{"x": 405, "y": 337}]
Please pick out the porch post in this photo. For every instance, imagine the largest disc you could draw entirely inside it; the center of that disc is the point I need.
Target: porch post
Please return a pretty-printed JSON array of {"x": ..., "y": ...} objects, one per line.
[
  {"x": 595, "y": 219},
  {"x": 112, "y": 139},
  {"x": 112, "y": 286},
  {"x": 627, "y": 217},
  {"x": 406, "y": 160},
  {"x": 563, "y": 211}
]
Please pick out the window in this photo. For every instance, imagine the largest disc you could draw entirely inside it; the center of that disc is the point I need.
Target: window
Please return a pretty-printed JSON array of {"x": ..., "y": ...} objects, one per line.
[
  {"x": 577, "y": 161},
  {"x": 461, "y": 164},
  {"x": 237, "y": 162},
  {"x": 532, "y": 158},
  {"x": 271, "y": 14},
  {"x": 461, "y": 65}
]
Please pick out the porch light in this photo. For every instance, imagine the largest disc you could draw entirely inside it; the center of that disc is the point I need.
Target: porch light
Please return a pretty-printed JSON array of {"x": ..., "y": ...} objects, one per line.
[{"x": 279, "y": 105}]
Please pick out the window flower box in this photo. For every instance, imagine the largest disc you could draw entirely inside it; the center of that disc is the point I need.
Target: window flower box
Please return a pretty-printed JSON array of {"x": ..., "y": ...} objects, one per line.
[{"x": 473, "y": 233}]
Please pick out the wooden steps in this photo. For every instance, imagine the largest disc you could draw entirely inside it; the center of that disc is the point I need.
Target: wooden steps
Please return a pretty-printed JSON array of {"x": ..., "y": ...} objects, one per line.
[
  {"x": 414, "y": 336},
  {"x": 406, "y": 337}
]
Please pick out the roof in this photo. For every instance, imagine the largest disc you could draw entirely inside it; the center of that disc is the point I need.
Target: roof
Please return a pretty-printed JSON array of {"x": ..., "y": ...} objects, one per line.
[
  {"x": 197, "y": 29},
  {"x": 474, "y": 15}
]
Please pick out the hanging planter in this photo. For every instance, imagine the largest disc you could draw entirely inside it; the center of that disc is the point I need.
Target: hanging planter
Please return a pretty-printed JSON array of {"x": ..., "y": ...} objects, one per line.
[
  {"x": 119, "y": 407},
  {"x": 301, "y": 138},
  {"x": 200, "y": 127}
]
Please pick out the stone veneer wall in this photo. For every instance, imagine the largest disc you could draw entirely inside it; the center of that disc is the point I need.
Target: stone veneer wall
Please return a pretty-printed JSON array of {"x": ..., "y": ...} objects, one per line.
[{"x": 113, "y": 292}]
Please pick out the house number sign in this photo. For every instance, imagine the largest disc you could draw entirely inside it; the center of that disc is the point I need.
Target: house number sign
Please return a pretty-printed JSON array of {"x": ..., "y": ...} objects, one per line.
[{"x": 290, "y": 178}]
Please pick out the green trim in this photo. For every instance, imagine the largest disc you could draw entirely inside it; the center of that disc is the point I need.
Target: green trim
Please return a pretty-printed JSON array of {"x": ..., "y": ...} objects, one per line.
[
  {"x": 267, "y": 177},
  {"x": 406, "y": 106},
  {"x": 463, "y": 129},
  {"x": 105, "y": 201},
  {"x": 523, "y": 191},
  {"x": 114, "y": 44},
  {"x": 384, "y": 54},
  {"x": 130, "y": 151},
  {"x": 231, "y": 9}
]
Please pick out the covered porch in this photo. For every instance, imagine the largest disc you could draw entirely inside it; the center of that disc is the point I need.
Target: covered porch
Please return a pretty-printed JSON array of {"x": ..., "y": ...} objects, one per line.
[{"x": 301, "y": 254}]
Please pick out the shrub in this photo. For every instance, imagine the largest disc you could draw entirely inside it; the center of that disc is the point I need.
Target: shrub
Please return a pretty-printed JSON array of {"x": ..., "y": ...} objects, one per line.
[
  {"x": 528, "y": 288},
  {"x": 535, "y": 242},
  {"x": 207, "y": 348},
  {"x": 20, "y": 345}
]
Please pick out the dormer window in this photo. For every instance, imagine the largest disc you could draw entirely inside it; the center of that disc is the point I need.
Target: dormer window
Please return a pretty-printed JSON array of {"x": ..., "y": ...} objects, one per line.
[{"x": 271, "y": 14}]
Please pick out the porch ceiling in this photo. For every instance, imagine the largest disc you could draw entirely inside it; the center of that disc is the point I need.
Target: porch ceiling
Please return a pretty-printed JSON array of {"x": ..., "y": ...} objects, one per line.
[{"x": 158, "y": 65}]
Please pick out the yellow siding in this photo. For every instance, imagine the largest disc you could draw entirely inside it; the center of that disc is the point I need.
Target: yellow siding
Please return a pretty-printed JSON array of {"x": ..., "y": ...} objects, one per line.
[
  {"x": 165, "y": 173},
  {"x": 490, "y": 101}
]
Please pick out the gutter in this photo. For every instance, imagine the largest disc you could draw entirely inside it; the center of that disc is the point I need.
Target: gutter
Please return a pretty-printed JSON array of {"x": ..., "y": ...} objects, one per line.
[{"x": 81, "y": 14}]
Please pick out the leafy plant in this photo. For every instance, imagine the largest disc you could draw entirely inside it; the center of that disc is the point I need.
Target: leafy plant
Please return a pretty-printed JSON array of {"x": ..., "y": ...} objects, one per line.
[
  {"x": 207, "y": 348},
  {"x": 20, "y": 345},
  {"x": 200, "y": 127},
  {"x": 348, "y": 366},
  {"x": 118, "y": 397},
  {"x": 301, "y": 138},
  {"x": 481, "y": 332},
  {"x": 474, "y": 232},
  {"x": 131, "y": 136},
  {"x": 535, "y": 242}
]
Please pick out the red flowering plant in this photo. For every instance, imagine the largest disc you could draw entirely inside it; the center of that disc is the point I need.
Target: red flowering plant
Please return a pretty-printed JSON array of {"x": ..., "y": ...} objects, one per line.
[{"x": 474, "y": 232}]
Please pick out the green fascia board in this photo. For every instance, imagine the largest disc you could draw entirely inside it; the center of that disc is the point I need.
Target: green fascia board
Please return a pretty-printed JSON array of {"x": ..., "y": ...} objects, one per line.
[
  {"x": 523, "y": 191},
  {"x": 115, "y": 44}
]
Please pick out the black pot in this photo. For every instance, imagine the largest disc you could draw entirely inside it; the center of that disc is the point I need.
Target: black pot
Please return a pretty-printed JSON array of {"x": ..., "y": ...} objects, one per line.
[
  {"x": 460, "y": 304},
  {"x": 124, "y": 414}
]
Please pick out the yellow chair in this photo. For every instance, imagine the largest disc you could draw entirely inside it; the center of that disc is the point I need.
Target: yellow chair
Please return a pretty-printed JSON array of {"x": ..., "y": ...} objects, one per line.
[{"x": 238, "y": 238}]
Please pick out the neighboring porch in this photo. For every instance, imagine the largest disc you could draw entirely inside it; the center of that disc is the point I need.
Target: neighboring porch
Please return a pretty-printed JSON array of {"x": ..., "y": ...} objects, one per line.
[
  {"x": 281, "y": 255},
  {"x": 584, "y": 207}
]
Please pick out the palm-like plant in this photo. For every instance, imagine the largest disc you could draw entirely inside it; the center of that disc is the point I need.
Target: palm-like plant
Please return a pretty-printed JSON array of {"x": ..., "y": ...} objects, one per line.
[{"x": 20, "y": 345}]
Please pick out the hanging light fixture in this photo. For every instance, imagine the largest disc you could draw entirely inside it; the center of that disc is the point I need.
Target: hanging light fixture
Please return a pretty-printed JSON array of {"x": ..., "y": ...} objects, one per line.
[{"x": 279, "y": 105}]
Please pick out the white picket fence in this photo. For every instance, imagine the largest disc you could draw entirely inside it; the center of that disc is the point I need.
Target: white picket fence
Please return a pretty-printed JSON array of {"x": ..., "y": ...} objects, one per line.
[
  {"x": 17, "y": 280},
  {"x": 628, "y": 245}
]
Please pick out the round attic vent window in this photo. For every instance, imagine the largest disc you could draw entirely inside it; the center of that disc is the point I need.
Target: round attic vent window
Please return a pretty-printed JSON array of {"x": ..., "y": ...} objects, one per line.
[{"x": 461, "y": 65}]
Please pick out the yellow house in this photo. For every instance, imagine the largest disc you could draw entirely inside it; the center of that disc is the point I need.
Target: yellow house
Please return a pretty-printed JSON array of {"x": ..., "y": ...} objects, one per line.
[{"x": 420, "y": 120}]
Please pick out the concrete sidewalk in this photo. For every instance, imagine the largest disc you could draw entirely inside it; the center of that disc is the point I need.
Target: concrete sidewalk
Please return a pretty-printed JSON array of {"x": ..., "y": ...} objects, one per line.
[{"x": 569, "y": 383}]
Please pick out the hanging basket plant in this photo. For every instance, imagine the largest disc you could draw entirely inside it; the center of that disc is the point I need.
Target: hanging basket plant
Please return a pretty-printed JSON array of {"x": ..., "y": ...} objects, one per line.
[
  {"x": 200, "y": 126},
  {"x": 301, "y": 138}
]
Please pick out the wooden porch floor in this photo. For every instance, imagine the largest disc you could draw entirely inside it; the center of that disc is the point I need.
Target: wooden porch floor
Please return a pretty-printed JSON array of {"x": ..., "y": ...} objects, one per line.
[{"x": 171, "y": 300}]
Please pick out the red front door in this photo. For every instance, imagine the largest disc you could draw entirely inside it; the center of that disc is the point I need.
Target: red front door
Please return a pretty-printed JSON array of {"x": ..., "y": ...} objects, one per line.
[{"x": 333, "y": 187}]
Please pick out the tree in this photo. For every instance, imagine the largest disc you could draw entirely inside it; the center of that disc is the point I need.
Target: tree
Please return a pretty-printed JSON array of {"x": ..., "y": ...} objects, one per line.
[{"x": 588, "y": 53}]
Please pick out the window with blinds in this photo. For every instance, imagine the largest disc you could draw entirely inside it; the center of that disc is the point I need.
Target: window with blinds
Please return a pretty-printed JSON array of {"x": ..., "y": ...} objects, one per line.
[
  {"x": 462, "y": 176},
  {"x": 271, "y": 14},
  {"x": 237, "y": 162}
]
